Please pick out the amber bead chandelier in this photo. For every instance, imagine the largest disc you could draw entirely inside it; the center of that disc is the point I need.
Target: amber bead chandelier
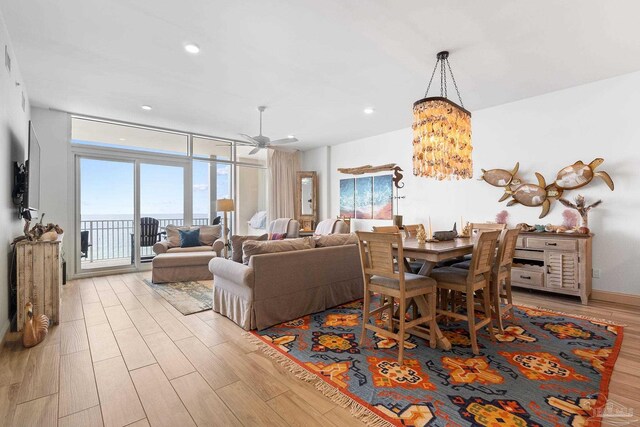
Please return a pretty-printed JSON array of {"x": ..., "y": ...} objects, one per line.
[{"x": 442, "y": 131}]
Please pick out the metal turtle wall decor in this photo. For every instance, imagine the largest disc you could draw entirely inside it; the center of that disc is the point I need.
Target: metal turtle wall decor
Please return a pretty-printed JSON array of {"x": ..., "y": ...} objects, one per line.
[
  {"x": 579, "y": 174},
  {"x": 571, "y": 177},
  {"x": 500, "y": 177},
  {"x": 531, "y": 195}
]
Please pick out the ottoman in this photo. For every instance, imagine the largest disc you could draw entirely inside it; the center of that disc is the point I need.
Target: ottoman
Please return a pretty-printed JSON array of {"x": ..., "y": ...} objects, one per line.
[{"x": 181, "y": 266}]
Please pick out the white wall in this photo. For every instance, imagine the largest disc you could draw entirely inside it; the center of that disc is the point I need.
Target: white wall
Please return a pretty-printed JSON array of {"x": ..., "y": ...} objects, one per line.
[
  {"x": 544, "y": 134},
  {"x": 14, "y": 134},
  {"x": 56, "y": 174}
]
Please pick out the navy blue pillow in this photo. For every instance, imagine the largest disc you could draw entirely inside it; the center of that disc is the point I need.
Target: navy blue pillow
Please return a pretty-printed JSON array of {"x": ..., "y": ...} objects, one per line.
[{"x": 189, "y": 238}]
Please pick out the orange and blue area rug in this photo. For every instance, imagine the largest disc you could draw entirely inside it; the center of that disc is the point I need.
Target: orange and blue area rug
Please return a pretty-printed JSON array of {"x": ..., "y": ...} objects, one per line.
[{"x": 546, "y": 369}]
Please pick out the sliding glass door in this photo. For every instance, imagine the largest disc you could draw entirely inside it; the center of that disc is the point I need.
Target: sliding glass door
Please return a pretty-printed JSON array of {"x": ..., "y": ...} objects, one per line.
[
  {"x": 107, "y": 213},
  {"x": 162, "y": 202},
  {"x": 124, "y": 209}
]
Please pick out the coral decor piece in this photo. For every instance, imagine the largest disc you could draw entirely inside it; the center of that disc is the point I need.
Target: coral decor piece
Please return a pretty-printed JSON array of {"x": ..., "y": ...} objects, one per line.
[
  {"x": 583, "y": 209},
  {"x": 35, "y": 327},
  {"x": 570, "y": 219},
  {"x": 421, "y": 235},
  {"x": 502, "y": 216}
]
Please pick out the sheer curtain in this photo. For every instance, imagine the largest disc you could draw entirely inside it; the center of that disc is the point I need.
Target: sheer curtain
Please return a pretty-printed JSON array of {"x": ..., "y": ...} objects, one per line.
[{"x": 282, "y": 167}]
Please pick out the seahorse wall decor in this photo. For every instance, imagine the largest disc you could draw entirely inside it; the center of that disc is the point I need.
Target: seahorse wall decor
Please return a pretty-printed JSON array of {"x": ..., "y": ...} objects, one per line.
[{"x": 571, "y": 177}]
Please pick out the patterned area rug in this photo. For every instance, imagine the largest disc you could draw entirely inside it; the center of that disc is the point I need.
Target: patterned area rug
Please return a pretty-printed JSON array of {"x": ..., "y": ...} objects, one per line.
[
  {"x": 548, "y": 369},
  {"x": 187, "y": 297}
]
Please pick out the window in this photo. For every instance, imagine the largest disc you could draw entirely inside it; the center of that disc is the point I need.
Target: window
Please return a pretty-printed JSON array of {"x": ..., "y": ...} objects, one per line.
[{"x": 112, "y": 135}]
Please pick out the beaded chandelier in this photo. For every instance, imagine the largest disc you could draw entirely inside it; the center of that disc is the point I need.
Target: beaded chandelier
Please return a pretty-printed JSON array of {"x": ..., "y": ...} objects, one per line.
[{"x": 442, "y": 132}]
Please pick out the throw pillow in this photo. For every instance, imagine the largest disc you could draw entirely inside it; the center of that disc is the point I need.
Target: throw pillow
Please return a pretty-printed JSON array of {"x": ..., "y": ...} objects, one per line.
[
  {"x": 189, "y": 238},
  {"x": 336, "y": 240},
  {"x": 209, "y": 234},
  {"x": 277, "y": 236},
  {"x": 254, "y": 247},
  {"x": 236, "y": 245},
  {"x": 173, "y": 234}
]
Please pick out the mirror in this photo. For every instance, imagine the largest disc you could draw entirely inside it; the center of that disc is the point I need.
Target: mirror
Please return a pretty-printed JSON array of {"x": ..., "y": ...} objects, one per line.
[
  {"x": 307, "y": 196},
  {"x": 306, "y": 199}
]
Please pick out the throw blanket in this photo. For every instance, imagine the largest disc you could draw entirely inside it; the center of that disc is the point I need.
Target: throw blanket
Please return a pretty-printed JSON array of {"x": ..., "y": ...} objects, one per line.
[
  {"x": 325, "y": 227},
  {"x": 280, "y": 226}
]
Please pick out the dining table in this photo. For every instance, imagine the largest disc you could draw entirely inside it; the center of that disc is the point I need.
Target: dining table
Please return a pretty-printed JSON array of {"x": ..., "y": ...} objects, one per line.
[{"x": 432, "y": 253}]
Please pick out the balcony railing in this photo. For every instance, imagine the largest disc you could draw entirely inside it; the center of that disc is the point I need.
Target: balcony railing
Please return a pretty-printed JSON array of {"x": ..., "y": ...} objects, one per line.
[{"x": 110, "y": 239}]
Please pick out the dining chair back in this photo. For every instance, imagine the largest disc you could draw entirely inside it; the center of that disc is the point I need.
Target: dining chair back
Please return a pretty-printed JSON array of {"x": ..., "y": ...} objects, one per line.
[
  {"x": 501, "y": 298},
  {"x": 380, "y": 275},
  {"x": 466, "y": 283},
  {"x": 410, "y": 231},
  {"x": 477, "y": 227},
  {"x": 386, "y": 229}
]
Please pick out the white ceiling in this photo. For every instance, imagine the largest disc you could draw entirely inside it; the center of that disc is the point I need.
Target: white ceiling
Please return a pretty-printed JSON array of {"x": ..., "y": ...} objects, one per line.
[{"x": 316, "y": 64}]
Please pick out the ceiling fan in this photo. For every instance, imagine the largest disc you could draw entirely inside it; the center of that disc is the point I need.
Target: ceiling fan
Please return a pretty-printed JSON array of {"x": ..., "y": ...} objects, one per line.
[{"x": 262, "y": 141}]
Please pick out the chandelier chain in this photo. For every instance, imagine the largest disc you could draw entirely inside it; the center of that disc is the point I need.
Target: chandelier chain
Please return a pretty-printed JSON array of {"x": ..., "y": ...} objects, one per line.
[
  {"x": 455, "y": 84},
  {"x": 443, "y": 79},
  {"x": 431, "y": 79}
]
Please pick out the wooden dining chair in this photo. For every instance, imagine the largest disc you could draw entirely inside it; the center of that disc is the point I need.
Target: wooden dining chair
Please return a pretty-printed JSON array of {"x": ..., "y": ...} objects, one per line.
[
  {"x": 466, "y": 283},
  {"x": 475, "y": 229},
  {"x": 501, "y": 299},
  {"x": 410, "y": 231},
  {"x": 487, "y": 226},
  {"x": 386, "y": 229},
  {"x": 381, "y": 276}
]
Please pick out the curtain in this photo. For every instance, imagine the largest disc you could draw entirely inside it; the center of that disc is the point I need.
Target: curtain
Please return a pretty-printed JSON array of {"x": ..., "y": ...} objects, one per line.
[{"x": 282, "y": 167}]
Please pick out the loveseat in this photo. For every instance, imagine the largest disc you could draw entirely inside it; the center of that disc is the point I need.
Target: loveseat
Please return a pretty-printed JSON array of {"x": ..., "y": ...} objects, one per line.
[
  {"x": 210, "y": 240},
  {"x": 277, "y": 287}
]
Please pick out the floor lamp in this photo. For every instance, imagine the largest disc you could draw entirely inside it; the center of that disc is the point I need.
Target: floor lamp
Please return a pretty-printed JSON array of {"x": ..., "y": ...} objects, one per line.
[{"x": 225, "y": 205}]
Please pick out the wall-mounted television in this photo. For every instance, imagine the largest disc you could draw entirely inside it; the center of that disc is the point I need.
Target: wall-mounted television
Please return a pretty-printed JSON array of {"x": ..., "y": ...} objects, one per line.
[
  {"x": 26, "y": 181},
  {"x": 32, "y": 166}
]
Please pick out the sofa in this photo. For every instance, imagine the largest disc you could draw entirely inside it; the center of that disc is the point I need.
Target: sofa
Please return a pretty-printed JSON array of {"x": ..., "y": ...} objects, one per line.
[
  {"x": 210, "y": 240},
  {"x": 277, "y": 287}
]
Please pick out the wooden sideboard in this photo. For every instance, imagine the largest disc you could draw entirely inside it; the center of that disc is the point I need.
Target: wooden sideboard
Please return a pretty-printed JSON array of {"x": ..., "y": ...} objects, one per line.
[
  {"x": 39, "y": 275},
  {"x": 559, "y": 263}
]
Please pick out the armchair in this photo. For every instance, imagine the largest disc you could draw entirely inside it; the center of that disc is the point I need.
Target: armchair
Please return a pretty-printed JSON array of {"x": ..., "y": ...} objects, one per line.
[{"x": 278, "y": 226}]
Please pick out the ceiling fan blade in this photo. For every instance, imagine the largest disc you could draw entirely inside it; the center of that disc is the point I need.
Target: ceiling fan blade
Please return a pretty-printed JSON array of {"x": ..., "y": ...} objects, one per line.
[
  {"x": 284, "y": 141},
  {"x": 250, "y": 138},
  {"x": 255, "y": 150}
]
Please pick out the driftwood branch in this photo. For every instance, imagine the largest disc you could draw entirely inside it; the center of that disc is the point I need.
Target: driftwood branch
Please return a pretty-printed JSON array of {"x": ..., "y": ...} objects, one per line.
[{"x": 367, "y": 169}]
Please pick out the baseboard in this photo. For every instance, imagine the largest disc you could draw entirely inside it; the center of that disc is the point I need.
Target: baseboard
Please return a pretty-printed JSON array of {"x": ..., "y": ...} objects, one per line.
[{"x": 616, "y": 297}]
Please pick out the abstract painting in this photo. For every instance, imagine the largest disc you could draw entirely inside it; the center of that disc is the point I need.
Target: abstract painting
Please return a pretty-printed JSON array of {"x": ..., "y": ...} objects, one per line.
[
  {"x": 383, "y": 197},
  {"x": 364, "y": 198},
  {"x": 347, "y": 198}
]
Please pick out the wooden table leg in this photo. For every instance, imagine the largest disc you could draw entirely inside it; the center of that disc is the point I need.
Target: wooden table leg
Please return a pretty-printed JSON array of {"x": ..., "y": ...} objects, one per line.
[
  {"x": 426, "y": 268},
  {"x": 423, "y": 307}
]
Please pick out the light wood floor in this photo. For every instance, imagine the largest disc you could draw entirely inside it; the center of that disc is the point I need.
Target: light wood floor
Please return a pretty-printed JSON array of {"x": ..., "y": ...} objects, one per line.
[{"x": 123, "y": 356}]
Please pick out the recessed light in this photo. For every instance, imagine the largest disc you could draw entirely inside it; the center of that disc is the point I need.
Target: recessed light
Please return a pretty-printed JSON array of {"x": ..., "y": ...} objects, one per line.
[
  {"x": 146, "y": 107},
  {"x": 369, "y": 110},
  {"x": 291, "y": 136},
  {"x": 192, "y": 48},
  {"x": 122, "y": 139}
]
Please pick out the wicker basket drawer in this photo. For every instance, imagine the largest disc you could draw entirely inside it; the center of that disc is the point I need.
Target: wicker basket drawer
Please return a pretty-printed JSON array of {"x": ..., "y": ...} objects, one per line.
[
  {"x": 559, "y": 244},
  {"x": 527, "y": 277}
]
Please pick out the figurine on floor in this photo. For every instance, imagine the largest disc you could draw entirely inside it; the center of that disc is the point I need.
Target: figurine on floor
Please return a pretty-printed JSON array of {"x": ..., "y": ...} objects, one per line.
[{"x": 35, "y": 327}]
